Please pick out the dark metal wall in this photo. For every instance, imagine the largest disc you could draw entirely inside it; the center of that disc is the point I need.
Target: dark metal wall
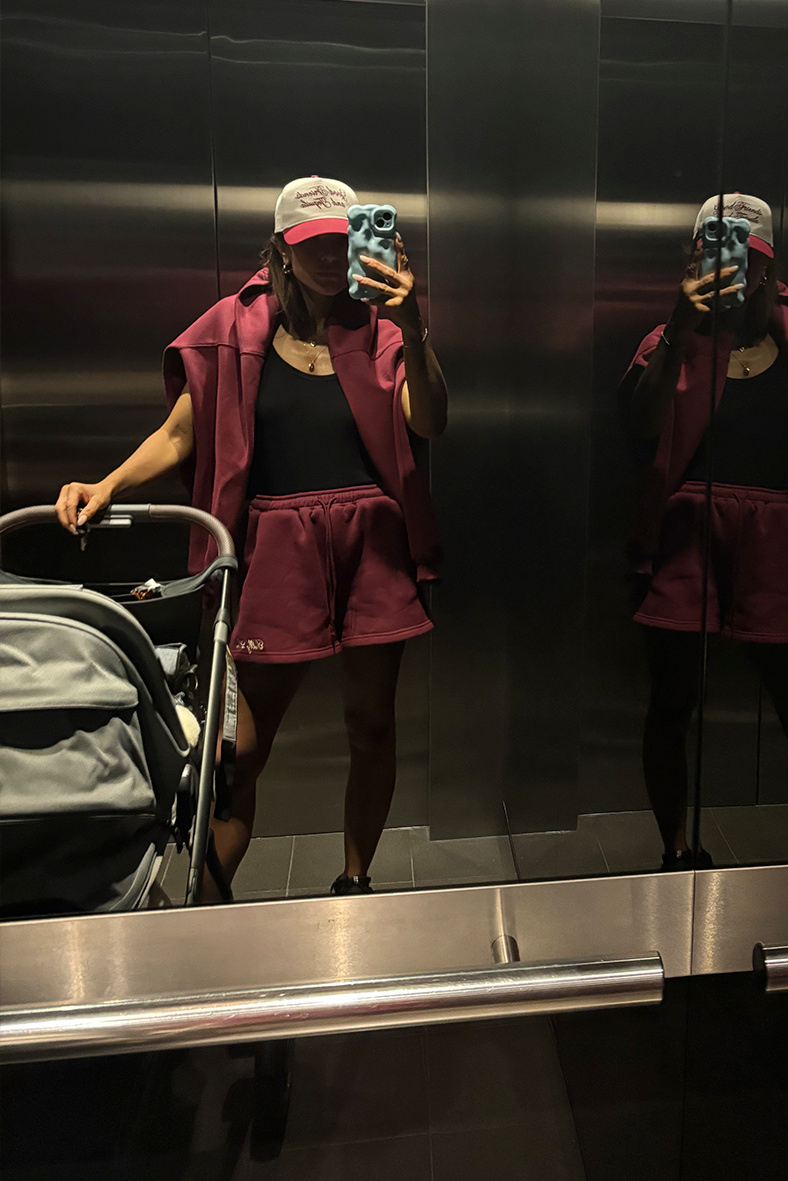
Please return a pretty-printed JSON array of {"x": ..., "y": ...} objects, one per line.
[
  {"x": 336, "y": 89},
  {"x": 654, "y": 171},
  {"x": 745, "y": 752},
  {"x": 108, "y": 252},
  {"x": 512, "y": 132},
  {"x": 140, "y": 169},
  {"x": 138, "y": 116}
]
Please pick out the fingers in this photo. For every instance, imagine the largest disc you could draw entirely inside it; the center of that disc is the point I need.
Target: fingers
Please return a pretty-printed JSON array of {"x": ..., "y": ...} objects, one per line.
[
  {"x": 379, "y": 266},
  {"x": 70, "y": 514},
  {"x": 712, "y": 276},
  {"x": 372, "y": 282},
  {"x": 703, "y": 295},
  {"x": 61, "y": 508},
  {"x": 89, "y": 511},
  {"x": 71, "y": 496}
]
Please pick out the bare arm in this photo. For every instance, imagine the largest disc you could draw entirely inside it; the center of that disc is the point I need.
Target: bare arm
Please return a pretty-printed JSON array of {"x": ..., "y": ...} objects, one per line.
[
  {"x": 656, "y": 389},
  {"x": 162, "y": 451},
  {"x": 424, "y": 396}
]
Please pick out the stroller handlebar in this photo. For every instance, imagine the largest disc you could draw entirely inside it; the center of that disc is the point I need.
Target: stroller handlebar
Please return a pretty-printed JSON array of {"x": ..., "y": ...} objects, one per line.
[{"x": 124, "y": 515}]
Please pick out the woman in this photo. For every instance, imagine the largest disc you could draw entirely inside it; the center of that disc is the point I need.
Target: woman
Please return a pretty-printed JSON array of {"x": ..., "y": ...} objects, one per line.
[
  {"x": 668, "y": 392},
  {"x": 293, "y": 405}
]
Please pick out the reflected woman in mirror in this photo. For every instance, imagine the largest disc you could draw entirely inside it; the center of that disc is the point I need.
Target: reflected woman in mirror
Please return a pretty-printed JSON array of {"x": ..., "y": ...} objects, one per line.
[
  {"x": 294, "y": 407},
  {"x": 743, "y": 448}
]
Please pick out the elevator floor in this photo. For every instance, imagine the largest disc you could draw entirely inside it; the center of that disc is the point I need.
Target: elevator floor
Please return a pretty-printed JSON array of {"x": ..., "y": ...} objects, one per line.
[
  {"x": 481, "y": 1101},
  {"x": 602, "y": 843}
]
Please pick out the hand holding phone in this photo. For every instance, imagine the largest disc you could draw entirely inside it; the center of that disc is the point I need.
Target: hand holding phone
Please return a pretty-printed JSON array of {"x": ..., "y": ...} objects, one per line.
[
  {"x": 372, "y": 230},
  {"x": 727, "y": 240}
]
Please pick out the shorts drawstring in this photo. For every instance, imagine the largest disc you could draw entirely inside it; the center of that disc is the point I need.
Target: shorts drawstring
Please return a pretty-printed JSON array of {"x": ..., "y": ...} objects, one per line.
[{"x": 331, "y": 570}]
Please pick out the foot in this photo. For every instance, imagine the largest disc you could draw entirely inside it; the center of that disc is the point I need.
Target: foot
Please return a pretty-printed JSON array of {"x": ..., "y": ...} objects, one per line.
[
  {"x": 687, "y": 860},
  {"x": 356, "y": 885}
]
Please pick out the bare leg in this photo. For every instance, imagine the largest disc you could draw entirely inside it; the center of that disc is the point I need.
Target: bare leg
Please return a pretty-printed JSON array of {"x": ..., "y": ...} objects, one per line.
[
  {"x": 369, "y": 687},
  {"x": 673, "y": 667},
  {"x": 265, "y": 692}
]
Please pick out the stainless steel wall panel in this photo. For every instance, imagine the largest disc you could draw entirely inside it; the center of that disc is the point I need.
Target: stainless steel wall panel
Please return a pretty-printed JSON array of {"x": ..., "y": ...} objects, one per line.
[
  {"x": 734, "y": 910},
  {"x": 512, "y": 126},
  {"x": 108, "y": 241},
  {"x": 652, "y": 178},
  {"x": 336, "y": 89},
  {"x": 745, "y": 751},
  {"x": 131, "y": 957}
]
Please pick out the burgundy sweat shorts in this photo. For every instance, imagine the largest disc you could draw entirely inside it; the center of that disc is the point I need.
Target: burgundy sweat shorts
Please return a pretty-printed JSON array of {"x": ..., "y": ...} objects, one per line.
[
  {"x": 748, "y": 567},
  {"x": 324, "y": 571}
]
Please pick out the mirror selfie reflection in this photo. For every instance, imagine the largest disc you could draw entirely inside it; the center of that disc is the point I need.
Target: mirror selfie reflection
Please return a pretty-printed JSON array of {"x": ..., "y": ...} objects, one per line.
[
  {"x": 712, "y": 528},
  {"x": 391, "y": 716}
]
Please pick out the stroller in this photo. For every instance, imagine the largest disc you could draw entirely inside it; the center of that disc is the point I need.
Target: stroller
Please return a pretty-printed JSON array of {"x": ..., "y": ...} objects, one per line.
[
  {"x": 107, "y": 738},
  {"x": 107, "y": 751}
]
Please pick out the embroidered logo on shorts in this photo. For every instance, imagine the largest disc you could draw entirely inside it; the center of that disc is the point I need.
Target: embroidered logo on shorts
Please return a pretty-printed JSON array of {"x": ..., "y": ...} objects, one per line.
[{"x": 250, "y": 645}]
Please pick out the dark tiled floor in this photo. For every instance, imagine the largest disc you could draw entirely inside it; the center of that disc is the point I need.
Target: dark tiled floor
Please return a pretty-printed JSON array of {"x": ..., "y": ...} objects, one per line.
[
  {"x": 631, "y": 843},
  {"x": 755, "y": 834},
  {"x": 277, "y": 867},
  {"x": 475, "y": 859},
  {"x": 604, "y": 842},
  {"x": 406, "y": 1158},
  {"x": 559, "y": 854},
  {"x": 477, "y": 1101}
]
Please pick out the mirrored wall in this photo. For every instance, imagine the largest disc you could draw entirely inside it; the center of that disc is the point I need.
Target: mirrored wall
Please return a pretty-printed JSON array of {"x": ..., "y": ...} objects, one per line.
[{"x": 609, "y": 619}]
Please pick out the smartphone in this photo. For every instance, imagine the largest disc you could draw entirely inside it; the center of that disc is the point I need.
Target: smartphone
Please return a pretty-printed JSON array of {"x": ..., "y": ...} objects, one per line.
[
  {"x": 728, "y": 239},
  {"x": 372, "y": 230}
]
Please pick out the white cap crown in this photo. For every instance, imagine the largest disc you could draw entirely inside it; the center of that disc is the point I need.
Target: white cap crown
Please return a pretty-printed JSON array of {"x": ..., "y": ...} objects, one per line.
[
  {"x": 756, "y": 211},
  {"x": 313, "y": 205}
]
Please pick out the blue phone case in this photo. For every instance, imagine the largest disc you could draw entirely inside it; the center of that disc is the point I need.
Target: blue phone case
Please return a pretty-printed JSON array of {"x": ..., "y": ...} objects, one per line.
[
  {"x": 731, "y": 241},
  {"x": 372, "y": 230}
]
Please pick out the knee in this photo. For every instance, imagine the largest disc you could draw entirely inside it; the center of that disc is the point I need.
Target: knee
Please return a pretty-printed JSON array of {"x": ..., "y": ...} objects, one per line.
[{"x": 368, "y": 728}]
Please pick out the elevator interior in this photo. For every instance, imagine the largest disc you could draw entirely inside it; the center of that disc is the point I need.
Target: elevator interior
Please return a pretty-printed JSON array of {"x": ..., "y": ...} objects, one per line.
[
  {"x": 547, "y": 159},
  {"x": 140, "y": 171}
]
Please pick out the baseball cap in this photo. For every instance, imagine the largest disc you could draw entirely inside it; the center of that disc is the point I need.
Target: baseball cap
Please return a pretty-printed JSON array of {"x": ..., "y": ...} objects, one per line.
[
  {"x": 757, "y": 212},
  {"x": 312, "y": 205}
]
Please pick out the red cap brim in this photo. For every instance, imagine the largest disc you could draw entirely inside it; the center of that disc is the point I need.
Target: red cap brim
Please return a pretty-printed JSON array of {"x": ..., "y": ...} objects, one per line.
[
  {"x": 759, "y": 244},
  {"x": 317, "y": 225}
]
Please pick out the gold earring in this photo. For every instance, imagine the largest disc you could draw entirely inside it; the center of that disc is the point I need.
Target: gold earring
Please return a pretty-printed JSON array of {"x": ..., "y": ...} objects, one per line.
[{"x": 287, "y": 268}]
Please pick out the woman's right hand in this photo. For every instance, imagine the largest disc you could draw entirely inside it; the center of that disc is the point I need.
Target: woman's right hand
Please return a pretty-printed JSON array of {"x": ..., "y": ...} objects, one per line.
[
  {"x": 691, "y": 304},
  {"x": 79, "y": 503}
]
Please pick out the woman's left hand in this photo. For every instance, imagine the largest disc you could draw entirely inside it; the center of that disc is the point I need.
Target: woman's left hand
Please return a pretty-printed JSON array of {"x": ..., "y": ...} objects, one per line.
[{"x": 397, "y": 296}]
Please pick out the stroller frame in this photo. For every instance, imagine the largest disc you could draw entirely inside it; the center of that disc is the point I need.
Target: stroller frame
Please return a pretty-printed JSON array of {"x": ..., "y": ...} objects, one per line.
[{"x": 225, "y": 565}]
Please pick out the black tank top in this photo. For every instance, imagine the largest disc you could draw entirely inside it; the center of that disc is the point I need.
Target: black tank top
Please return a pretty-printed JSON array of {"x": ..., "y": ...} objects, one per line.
[
  {"x": 750, "y": 432},
  {"x": 305, "y": 435}
]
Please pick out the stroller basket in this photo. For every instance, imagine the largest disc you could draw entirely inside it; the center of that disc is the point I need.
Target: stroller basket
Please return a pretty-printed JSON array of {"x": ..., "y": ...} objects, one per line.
[{"x": 96, "y": 773}]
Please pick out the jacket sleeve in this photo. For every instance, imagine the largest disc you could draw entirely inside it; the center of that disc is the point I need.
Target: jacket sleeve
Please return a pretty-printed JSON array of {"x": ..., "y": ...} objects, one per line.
[{"x": 213, "y": 328}]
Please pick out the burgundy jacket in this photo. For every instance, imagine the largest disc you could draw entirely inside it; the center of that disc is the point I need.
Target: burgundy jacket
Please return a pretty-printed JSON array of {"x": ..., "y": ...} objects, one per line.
[
  {"x": 220, "y": 359},
  {"x": 685, "y": 426}
]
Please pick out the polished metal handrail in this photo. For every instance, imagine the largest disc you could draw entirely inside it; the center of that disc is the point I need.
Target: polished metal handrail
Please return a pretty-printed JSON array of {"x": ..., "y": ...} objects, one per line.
[
  {"x": 508, "y": 990},
  {"x": 771, "y": 963}
]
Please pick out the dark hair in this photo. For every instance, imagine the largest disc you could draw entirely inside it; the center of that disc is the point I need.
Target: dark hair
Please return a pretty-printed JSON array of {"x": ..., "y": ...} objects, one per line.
[
  {"x": 756, "y": 316},
  {"x": 296, "y": 316}
]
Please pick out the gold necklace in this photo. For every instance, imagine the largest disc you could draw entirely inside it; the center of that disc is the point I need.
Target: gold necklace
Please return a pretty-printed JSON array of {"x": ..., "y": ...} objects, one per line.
[
  {"x": 740, "y": 360},
  {"x": 318, "y": 350}
]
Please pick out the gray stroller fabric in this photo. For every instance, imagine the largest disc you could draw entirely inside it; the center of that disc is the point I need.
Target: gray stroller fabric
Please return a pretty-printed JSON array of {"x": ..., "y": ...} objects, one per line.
[{"x": 91, "y": 753}]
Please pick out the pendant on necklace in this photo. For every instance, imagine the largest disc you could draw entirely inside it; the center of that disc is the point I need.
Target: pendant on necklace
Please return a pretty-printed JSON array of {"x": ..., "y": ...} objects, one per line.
[
  {"x": 746, "y": 371},
  {"x": 312, "y": 367}
]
